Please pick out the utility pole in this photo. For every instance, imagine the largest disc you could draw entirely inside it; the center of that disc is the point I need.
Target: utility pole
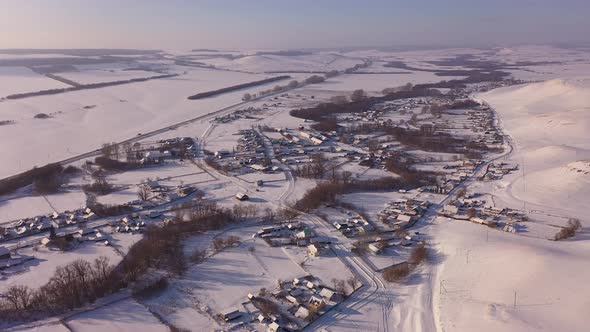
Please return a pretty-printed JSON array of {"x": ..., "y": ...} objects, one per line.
[{"x": 515, "y": 299}]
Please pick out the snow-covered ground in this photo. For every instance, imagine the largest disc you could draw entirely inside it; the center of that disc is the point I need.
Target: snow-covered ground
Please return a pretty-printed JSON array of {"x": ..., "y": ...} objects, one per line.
[
  {"x": 496, "y": 281},
  {"x": 260, "y": 63},
  {"x": 479, "y": 279},
  {"x": 549, "y": 123},
  {"x": 127, "y": 315}
]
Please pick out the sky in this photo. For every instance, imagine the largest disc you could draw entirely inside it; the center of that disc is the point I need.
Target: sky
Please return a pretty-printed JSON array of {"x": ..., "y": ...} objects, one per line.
[{"x": 184, "y": 24}]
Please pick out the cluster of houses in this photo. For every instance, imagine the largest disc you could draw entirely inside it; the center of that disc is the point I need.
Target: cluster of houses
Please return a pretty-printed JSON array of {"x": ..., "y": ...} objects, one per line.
[
  {"x": 173, "y": 148},
  {"x": 379, "y": 244},
  {"x": 239, "y": 114},
  {"x": 301, "y": 137},
  {"x": 248, "y": 156},
  {"x": 157, "y": 193},
  {"x": 496, "y": 171},
  {"x": 295, "y": 233},
  {"x": 376, "y": 112},
  {"x": 12, "y": 263},
  {"x": 129, "y": 224},
  {"x": 473, "y": 209},
  {"x": 354, "y": 226},
  {"x": 29, "y": 226},
  {"x": 295, "y": 304},
  {"x": 402, "y": 213}
]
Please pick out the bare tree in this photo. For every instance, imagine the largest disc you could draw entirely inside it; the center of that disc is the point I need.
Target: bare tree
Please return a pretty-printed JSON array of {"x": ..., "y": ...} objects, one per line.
[
  {"x": 19, "y": 297},
  {"x": 247, "y": 97},
  {"x": 353, "y": 282},
  {"x": 573, "y": 225},
  {"x": 269, "y": 215},
  {"x": 288, "y": 214},
  {"x": 331, "y": 73},
  {"x": 143, "y": 193},
  {"x": 339, "y": 100}
]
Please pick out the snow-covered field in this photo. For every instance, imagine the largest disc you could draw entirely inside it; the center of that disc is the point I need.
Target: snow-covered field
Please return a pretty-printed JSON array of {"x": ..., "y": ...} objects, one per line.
[
  {"x": 20, "y": 79},
  {"x": 549, "y": 122},
  {"x": 317, "y": 62},
  {"x": 127, "y": 315},
  {"x": 113, "y": 114},
  {"x": 101, "y": 76}
]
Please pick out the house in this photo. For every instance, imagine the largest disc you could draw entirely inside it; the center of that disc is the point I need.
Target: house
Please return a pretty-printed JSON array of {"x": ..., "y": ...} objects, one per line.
[
  {"x": 404, "y": 218},
  {"x": 303, "y": 234},
  {"x": 313, "y": 250},
  {"x": 302, "y": 312},
  {"x": 450, "y": 209},
  {"x": 230, "y": 315},
  {"x": 316, "y": 141},
  {"x": 242, "y": 197},
  {"x": 86, "y": 231},
  {"x": 291, "y": 299},
  {"x": 4, "y": 253},
  {"x": 316, "y": 303},
  {"x": 375, "y": 248},
  {"x": 221, "y": 153},
  {"x": 259, "y": 168},
  {"x": 327, "y": 293}
]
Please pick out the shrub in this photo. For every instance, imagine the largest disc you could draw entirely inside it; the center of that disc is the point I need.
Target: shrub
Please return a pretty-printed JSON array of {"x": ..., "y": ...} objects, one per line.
[
  {"x": 42, "y": 116},
  {"x": 419, "y": 254},
  {"x": 573, "y": 225},
  {"x": 396, "y": 272},
  {"x": 314, "y": 79},
  {"x": 49, "y": 171},
  {"x": 100, "y": 186},
  {"x": 112, "y": 165},
  {"x": 48, "y": 184}
]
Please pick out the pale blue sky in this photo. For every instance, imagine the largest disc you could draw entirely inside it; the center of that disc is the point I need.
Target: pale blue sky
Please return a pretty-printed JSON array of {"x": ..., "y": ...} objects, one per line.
[{"x": 184, "y": 24}]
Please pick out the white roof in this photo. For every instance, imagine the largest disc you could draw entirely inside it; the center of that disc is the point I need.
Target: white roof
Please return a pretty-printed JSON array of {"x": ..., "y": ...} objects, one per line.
[
  {"x": 327, "y": 293},
  {"x": 302, "y": 312}
]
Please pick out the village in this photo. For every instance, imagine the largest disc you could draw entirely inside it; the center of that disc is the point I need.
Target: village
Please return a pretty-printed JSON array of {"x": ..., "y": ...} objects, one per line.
[
  {"x": 361, "y": 148},
  {"x": 282, "y": 212}
]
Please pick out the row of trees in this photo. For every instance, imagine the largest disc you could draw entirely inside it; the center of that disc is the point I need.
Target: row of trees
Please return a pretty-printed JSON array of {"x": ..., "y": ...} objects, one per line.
[
  {"x": 277, "y": 88},
  {"x": 327, "y": 192},
  {"x": 85, "y": 87},
  {"x": 237, "y": 87}
]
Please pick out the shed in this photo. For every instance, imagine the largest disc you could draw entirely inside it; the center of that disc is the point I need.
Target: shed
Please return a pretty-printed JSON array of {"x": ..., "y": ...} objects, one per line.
[
  {"x": 450, "y": 209},
  {"x": 242, "y": 196}
]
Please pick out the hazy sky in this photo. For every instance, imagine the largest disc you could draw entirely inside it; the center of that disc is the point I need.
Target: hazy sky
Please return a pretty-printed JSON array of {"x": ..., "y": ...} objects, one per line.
[{"x": 184, "y": 24}]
